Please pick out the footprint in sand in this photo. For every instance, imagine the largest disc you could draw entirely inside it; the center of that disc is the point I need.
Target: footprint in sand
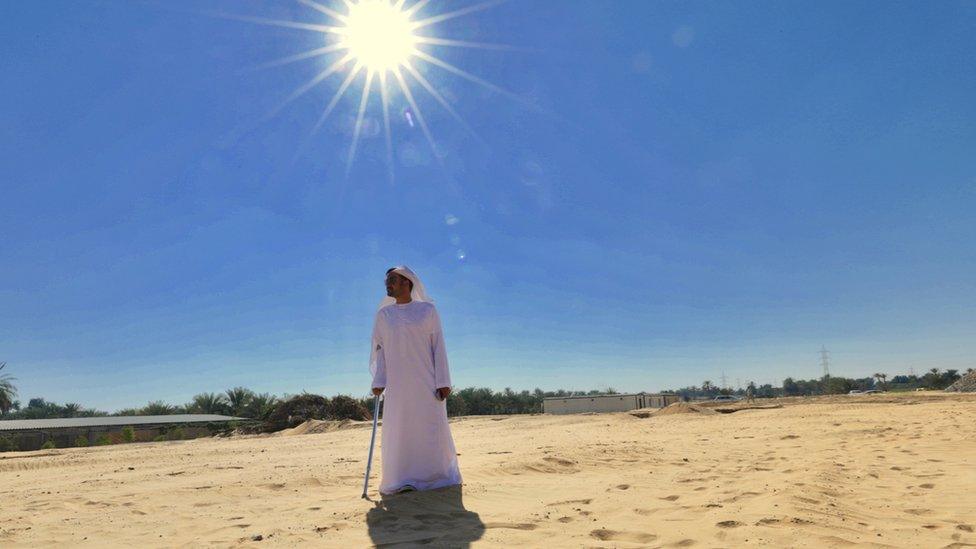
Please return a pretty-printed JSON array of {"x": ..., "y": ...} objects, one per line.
[
  {"x": 965, "y": 527},
  {"x": 571, "y": 502},
  {"x": 728, "y": 524},
  {"x": 604, "y": 534},
  {"x": 926, "y": 485},
  {"x": 670, "y": 498},
  {"x": 511, "y": 526}
]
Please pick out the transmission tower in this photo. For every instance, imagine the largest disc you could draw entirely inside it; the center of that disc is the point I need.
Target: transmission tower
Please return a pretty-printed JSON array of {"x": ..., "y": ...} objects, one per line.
[
  {"x": 725, "y": 384},
  {"x": 825, "y": 361}
]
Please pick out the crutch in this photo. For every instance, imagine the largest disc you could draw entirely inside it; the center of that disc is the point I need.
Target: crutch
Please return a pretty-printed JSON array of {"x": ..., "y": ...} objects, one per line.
[{"x": 372, "y": 442}]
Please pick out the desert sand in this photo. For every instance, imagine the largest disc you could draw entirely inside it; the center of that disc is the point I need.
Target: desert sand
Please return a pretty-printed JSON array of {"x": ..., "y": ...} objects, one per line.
[{"x": 879, "y": 470}]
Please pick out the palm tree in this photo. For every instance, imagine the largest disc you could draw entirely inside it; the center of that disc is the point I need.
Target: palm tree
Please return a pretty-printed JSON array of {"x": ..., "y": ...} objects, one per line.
[
  {"x": 239, "y": 397},
  {"x": 7, "y": 391},
  {"x": 209, "y": 403},
  {"x": 72, "y": 409},
  {"x": 260, "y": 406},
  {"x": 158, "y": 408}
]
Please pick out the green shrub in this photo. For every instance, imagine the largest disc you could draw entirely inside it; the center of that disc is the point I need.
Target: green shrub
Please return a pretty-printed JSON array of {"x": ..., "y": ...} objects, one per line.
[
  {"x": 81, "y": 441},
  {"x": 175, "y": 434},
  {"x": 159, "y": 438},
  {"x": 48, "y": 445},
  {"x": 128, "y": 434},
  {"x": 103, "y": 441},
  {"x": 7, "y": 445}
]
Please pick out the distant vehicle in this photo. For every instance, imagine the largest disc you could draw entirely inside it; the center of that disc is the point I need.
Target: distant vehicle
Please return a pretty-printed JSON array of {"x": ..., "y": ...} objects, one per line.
[
  {"x": 872, "y": 391},
  {"x": 855, "y": 392},
  {"x": 726, "y": 398}
]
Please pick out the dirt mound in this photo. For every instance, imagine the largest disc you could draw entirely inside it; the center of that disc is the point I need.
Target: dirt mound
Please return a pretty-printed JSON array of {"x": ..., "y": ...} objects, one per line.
[
  {"x": 315, "y": 426},
  {"x": 965, "y": 384},
  {"x": 673, "y": 409},
  {"x": 301, "y": 408}
]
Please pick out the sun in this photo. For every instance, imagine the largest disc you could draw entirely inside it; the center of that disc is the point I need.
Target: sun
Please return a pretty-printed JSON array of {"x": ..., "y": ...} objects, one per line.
[
  {"x": 378, "y": 34},
  {"x": 384, "y": 43}
]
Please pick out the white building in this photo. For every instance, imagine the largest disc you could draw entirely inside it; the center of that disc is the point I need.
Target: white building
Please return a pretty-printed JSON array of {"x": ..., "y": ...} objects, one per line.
[{"x": 606, "y": 403}]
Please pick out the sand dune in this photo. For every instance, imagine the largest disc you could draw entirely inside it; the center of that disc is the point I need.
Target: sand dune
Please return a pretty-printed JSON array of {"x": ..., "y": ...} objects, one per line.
[{"x": 879, "y": 471}]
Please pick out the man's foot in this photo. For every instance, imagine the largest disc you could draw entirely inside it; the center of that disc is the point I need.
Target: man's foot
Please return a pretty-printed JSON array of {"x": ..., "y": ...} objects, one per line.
[{"x": 405, "y": 489}]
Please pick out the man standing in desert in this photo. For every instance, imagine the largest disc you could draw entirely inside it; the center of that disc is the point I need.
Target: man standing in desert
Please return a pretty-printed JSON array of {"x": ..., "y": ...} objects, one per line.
[{"x": 409, "y": 362}]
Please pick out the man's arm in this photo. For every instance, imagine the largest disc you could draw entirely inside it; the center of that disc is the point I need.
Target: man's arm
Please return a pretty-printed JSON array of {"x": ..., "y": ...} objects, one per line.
[
  {"x": 379, "y": 376},
  {"x": 442, "y": 374}
]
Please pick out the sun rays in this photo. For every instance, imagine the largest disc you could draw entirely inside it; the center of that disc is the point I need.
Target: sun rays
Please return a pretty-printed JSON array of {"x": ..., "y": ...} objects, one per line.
[{"x": 380, "y": 43}]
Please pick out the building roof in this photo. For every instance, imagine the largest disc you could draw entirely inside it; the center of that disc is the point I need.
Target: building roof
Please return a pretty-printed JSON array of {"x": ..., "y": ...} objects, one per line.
[
  {"x": 605, "y": 396},
  {"x": 594, "y": 396},
  {"x": 110, "y": 421}
]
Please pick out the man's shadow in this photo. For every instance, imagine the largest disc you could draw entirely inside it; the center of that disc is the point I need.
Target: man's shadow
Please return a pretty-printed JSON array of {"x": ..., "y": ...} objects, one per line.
[{"x": 435, "y": 517}]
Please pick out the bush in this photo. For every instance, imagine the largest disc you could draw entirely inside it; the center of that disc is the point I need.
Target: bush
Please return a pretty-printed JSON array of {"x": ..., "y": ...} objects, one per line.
[
  {"x": 128, "y": 434},
  {"x": 175, "y": 434},
  {"x": 103, "y": 441},
  {"x": 298, "y": 409},
  {"x": 346, "y": 407},
  {"x": 160, "y": 438},
  {"x": 7, "y": 445},
  {"x": 81, "y": 441},
  {"x": 48, "y": 445}
]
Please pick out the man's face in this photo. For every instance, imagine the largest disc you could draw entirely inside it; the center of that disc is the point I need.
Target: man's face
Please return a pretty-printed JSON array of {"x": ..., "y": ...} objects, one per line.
[{"x": 397, "y": 285}]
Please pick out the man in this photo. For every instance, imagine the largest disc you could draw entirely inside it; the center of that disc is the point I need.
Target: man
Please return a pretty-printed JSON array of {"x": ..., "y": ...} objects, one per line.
[{"x": 409, "y": 362}]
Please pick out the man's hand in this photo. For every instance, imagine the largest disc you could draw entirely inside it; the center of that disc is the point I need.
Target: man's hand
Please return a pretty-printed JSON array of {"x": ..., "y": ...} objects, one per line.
[
  {"x": 378, "y": 390},
  {"x": 443, "y": 392}
]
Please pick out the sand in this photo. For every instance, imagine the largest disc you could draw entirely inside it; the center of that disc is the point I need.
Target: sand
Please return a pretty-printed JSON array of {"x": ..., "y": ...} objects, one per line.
[{"x": 880, "y": 470}]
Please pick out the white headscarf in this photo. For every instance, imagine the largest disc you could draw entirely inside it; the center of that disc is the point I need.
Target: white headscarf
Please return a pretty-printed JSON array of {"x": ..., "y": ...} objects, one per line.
[{"x": 418, "y": 293}]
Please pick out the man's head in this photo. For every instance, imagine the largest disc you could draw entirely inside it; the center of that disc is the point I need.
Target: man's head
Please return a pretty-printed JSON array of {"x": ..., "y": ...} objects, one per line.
[{"x": 397, "y": 285}]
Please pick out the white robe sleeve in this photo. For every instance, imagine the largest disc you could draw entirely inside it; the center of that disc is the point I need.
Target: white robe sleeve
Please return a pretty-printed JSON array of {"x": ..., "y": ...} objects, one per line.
[
  {"x": 442, "y": 374},
  {"x": 379, "y": 375}
]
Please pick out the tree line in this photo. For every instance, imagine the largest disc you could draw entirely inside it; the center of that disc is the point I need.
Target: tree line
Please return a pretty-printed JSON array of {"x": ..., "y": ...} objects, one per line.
[
  {"x": 245, "y": 403},
  {"x": 934, "y": 379}
]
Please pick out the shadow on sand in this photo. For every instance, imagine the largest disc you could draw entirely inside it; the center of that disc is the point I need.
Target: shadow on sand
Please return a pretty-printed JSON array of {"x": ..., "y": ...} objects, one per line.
[{"x": 434, "y": 517}]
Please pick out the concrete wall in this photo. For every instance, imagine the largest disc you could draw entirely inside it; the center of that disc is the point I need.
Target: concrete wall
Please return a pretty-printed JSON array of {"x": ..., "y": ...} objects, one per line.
[
  {"x": 596, "y": 403},
  {"x": 606, "y": 403},
  {"x": 660, "y": 401},
  {"x": 65, "y": 437}
]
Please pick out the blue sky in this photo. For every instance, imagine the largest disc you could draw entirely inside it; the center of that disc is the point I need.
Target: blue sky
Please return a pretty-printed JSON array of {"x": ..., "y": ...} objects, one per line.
[{"x": 680, "y": 189}]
